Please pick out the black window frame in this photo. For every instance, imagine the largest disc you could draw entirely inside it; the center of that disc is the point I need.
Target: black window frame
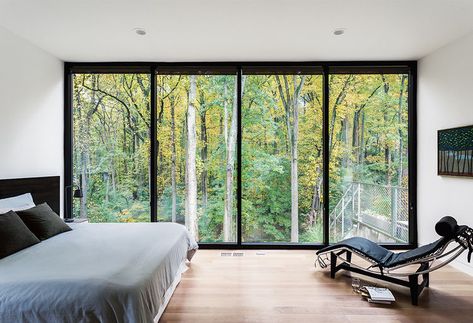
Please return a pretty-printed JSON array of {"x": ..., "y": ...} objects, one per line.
[{"x": 325, "y": 68}]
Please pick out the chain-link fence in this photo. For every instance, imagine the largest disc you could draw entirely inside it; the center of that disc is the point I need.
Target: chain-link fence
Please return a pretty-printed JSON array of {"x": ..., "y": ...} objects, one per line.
[{"x": 377, "y": 212}]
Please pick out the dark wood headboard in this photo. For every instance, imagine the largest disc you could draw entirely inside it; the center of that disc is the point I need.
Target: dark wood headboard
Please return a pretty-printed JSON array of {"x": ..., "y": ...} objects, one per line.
[{"x": 43, "y": 189}]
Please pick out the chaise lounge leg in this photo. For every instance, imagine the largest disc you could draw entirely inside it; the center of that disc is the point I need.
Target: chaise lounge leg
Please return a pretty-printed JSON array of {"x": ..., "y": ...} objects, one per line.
[
  {"x": 414, "y": 287},
  {"x": 333, "y": 264},
  {"x": 348, "y": 256},
  {"x": 426, "y": 279}
]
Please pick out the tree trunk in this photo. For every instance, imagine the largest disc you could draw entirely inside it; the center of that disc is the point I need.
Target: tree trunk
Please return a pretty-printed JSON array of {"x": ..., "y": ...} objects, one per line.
[
  {"x": 294, "y": 162},
  {"x": 114, "y": 178},
  {"x": 340, "y": 98},
  {"x": 356, "y": 124},
  {"x": 106, "y": 177},
  {"x": 84, "y": 185},
  {"x": 83, "y": 164},
  {"x": 346, "y": 153},
  {"x": 361, "y": 157},
  {"x": 387, "y": 150},
  {"x": 399, "y": 119},
  {"x": 315, "y": 205},
  {"x": 387, "y": 160},
  {"x": 204, "y": 155},
  {"x": 185, "y": 173},
  {"x": 84, "y": 177},
  {"x": 231, "y": 139},
  {"x": 186, "y": 178},
  {"x": 291, "y": 106},
  {"x": 225, "y": 113},
  {"x": 191, "y": 160},
  {"x": 173, "y": 162}
]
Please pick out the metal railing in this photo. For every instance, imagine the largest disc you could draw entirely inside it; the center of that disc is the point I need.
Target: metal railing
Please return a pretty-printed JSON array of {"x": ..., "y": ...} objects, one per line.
[{"x": 377, "y": 212}]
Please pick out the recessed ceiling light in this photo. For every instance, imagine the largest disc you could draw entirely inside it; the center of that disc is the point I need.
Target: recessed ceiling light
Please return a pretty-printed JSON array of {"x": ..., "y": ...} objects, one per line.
[
  {"x": 140, "y": 31},
  {"x": 339, "y": 31}
]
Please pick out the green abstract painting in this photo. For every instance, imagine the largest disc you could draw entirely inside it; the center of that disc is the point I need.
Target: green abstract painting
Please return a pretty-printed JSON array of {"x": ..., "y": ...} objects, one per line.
[{"x": 455, "y": 151}]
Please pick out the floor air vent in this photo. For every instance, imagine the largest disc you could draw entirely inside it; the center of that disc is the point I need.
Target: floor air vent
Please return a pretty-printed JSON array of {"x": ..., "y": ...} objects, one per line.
[{"x": 232, "y": 254}]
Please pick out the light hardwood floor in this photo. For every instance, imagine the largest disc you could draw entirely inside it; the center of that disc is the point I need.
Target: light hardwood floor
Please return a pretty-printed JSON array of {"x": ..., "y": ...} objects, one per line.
[{"x": 284, "y": 286}]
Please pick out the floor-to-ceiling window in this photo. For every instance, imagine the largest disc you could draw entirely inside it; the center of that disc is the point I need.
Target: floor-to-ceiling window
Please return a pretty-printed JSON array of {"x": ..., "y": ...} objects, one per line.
[{"x": 244, "y": 154}]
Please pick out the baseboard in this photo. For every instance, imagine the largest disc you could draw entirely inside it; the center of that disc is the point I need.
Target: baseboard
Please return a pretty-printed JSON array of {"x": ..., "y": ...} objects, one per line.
[{"x": 463, "y": 265}]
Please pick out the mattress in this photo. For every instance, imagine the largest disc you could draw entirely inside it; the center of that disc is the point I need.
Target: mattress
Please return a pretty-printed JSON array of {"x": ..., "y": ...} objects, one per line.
[{"x": 95, "y": 273}]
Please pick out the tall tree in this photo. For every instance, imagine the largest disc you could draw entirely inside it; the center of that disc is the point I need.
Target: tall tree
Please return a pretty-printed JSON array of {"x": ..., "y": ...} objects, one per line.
[
  {"x": 173, "y": 159},
  {"x": 204, "y": 149},
  {"x": 291, "y": 107},
  {"x": 387, "y": 148},
  {"x": 230, "y": 139},
  {"x": 191, "y": 196},
  {"x": 400, "y": 126},
  {"x": 85, "y": 154}
]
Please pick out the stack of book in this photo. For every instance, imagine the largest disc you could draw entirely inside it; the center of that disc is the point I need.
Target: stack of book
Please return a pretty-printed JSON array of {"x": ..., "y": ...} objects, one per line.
[{"x": 378, "y": 295}]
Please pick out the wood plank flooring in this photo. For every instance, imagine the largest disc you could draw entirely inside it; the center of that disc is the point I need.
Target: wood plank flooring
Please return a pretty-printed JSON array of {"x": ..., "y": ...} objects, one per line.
[{"x": 284, "y": 286}]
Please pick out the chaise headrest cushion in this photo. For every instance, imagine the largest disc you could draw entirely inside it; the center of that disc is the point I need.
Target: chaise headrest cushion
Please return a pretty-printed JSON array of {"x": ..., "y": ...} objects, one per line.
[{"x": 447, "y": 227}]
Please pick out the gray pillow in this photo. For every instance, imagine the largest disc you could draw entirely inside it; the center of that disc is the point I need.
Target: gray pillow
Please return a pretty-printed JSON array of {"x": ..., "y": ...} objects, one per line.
[
  {"x": 43, "y": 221},
  {"x": 14, "y": 234}
]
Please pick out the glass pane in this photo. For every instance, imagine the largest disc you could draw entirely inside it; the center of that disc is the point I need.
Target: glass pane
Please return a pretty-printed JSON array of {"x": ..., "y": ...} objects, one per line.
[
  {"x": 282, "y": 158},
  {"x": 196, "y": 157},
  {"x": 111, "y": 118},
  {"x": 369, "y": 157}
]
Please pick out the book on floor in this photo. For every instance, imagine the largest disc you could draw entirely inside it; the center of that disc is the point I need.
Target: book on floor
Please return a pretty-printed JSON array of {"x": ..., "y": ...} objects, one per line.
[
  {"x": 379, "y": 302},
  {"x": 380, "y": 294}
]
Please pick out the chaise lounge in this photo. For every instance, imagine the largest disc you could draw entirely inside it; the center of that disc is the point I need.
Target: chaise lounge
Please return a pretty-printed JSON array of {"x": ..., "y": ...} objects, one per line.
[{"x": 391, "y": 267}]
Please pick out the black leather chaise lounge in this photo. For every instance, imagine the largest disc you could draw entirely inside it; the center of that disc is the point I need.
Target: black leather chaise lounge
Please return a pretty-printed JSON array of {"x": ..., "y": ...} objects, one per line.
[{"x": 388, "y": 266}]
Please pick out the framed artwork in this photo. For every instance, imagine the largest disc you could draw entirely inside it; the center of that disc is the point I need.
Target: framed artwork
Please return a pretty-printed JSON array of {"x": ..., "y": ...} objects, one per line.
[{"x": 455, "y": 151}]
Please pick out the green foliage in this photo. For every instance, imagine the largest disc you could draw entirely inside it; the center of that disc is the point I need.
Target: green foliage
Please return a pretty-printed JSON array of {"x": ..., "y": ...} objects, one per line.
[
  {"x": 111, "y": 146},
  {"x": 313, "y": 234},
  {"x": 368, "y": 143}
]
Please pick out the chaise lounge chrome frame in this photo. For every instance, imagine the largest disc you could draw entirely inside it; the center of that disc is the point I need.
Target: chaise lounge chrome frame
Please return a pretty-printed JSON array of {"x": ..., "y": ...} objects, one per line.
[{"x": 340, "y": 258}]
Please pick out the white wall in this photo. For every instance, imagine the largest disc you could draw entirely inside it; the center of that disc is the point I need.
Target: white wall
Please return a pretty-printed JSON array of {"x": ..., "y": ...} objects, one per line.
[
  {"x": 31, "y": 104},
  {"x": 445, "y": 100}
]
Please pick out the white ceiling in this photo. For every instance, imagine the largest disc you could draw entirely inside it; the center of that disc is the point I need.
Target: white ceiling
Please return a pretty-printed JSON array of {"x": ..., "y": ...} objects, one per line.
[{"x": 237, "y": 30}]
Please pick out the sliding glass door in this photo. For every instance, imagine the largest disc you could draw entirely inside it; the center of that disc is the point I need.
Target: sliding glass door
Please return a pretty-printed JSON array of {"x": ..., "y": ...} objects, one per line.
[{"x": 245, "y": 154}]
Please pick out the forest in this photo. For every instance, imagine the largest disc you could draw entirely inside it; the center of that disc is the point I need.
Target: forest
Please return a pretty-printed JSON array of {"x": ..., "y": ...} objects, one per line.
[{"x": 197, "y": 128}]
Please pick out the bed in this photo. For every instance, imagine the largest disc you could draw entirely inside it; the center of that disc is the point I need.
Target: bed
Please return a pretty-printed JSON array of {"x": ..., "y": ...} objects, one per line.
[{"x": 96, "y": 273}]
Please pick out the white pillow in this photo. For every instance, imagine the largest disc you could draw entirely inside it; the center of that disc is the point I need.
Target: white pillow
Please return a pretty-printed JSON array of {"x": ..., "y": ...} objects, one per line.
[{"x": 17, "y": 203}]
